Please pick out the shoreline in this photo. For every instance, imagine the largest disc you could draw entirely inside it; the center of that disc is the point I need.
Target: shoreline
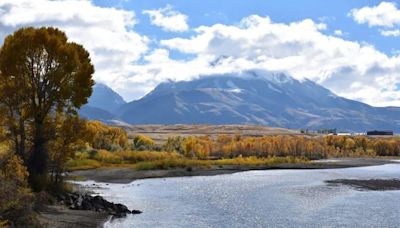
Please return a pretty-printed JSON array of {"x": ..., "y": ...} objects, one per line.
[
  {"x": 127, "y": 175},
  {"x": 61, "y": 216}
]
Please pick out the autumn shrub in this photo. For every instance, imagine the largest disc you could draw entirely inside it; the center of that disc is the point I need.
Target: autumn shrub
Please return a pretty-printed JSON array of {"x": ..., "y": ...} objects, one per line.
[
  {"x": 99, "y": 158},
  {"x": 101, "y": 136},
  {"x": 107, "y": 157},
  {"x": 80, "y": 155},
  {"x": 199, "y": 147},
  {"x": 15, "y": 195},
  {"x": 142, "y": 142},
  {"x": 174, "y": 144}
]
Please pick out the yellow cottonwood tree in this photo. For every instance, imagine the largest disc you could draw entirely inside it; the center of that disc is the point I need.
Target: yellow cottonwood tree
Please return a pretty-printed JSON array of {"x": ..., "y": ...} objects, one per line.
[{"x": 41, "y": 72}]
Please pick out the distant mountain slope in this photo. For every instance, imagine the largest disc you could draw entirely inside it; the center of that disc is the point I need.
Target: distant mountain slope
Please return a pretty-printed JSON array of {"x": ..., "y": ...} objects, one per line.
[
  {"x": 256, "y": 98},
  {"x": 105, "y": 98},
  {"x": 102, "y": 104},
  {"x": 94, "y": 113}
]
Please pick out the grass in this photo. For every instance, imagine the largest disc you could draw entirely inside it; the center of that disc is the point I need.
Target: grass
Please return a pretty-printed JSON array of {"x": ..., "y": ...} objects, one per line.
[
  {"x": 76, "y": 178},
  {"x": 82, "y": 164},
  {"x": 170, "y": 163},
  {"x": 140, "y": 156}
]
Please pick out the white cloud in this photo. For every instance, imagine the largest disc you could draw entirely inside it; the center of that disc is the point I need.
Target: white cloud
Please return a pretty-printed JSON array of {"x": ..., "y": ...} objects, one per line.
[
  {"x": 395, "y": 32},
  {"x": 168, "y": 19},
  {"x": 107, "y": 33},
  {"x": 300, "y": 49},
  {"x": 338, "y": 32},
  {"x": 385, "y": 14},
  {"x": 123, "y": 58}
]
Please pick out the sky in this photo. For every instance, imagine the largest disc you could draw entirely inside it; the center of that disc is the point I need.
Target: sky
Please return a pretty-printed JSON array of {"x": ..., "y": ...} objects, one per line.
[{"x": 350, "y": 47}]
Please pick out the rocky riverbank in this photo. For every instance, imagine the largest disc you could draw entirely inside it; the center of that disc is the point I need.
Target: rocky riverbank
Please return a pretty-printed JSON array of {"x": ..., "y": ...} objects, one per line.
[
  {"x": 81, "y": 210},
  {"x": 84, "y": 201}
]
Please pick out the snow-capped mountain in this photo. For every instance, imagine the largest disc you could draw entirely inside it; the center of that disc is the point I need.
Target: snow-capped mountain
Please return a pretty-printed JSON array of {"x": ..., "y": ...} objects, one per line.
[{"x": 256, "y": 97}]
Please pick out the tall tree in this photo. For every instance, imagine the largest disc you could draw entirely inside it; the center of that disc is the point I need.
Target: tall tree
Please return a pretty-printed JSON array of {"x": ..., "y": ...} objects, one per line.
[
  {"x": 13, "y": 111},
  {"x": 41, "y": 73}
]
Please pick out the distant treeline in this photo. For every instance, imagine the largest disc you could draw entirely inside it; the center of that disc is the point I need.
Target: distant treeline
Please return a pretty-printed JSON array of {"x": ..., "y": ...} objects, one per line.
[
  {"x": 225, "y": 146},
  {"x": 99, "y": 136},
  {"x": 102, "y": 145}
]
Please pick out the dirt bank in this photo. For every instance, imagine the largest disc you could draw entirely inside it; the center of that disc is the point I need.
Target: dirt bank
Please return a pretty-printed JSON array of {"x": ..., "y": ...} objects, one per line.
[
  {"x": 59, "y": 216},
  {"x": 372, "y": 184}
]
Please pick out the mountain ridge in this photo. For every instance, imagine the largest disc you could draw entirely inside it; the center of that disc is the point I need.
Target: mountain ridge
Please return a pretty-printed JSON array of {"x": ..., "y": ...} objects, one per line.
[
  {"x": 255, "y": 97},
  {"x": 102, "y": 104}
]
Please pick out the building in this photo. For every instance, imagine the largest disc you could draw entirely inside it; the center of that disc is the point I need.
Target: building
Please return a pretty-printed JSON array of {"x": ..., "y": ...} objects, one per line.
[
  {"x": 344, "y": 133},
  {"x": 379, "y": 132}
]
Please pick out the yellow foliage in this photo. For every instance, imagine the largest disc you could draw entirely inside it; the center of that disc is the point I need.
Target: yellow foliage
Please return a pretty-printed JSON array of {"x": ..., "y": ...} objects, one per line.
[
  {"x": 225, "y": 146},
  {"x": 14, "y": 169},
  {"x": 142, "y": 142},
  {"x": 235, "y": 150},
  {"x": 107, "y": 157},
  {"x": 15, "y": 195},
  {"x": 174, "y": 144},
  {"x": 199, "y": 147},
  {"x": 83, "y": 160},
  {"x": 101, "y": 136}
]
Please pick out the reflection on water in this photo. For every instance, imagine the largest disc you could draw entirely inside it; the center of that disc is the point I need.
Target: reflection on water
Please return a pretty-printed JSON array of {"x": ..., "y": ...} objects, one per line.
[{"x": 272, "y": 198}]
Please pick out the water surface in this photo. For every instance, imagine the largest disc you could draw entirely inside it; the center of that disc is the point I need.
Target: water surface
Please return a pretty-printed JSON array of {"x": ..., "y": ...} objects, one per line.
[{"x": 271, "y": 198}]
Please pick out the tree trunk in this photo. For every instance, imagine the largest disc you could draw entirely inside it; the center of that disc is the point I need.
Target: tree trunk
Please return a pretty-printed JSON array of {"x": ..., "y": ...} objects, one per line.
[
  {"x": 37, "y": 164},
  {"x": 21, "y": 146},
  {"x": 16, "y": 145}
]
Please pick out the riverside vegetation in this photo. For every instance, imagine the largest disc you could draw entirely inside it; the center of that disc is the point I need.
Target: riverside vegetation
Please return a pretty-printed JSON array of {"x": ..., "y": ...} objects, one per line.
[{"x": 106, "y": 146}]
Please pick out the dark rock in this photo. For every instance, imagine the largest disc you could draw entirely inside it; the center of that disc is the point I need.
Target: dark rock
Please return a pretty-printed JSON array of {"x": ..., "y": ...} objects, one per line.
[
  {"x": 136, "y": 212},
  {"x": 77, "y": 201}
]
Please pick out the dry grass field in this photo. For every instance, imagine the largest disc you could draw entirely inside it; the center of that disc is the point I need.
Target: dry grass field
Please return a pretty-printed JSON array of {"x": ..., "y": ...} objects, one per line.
[{"x": 160, "y": 133}]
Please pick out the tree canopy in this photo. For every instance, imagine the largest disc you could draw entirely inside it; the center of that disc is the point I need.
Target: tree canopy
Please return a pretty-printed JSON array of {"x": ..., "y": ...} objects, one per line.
[{"x": 41, "y": 74}]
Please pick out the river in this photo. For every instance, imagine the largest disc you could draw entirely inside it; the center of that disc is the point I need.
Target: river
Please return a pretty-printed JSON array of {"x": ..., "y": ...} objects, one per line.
[{"x": 270, "y": 198}]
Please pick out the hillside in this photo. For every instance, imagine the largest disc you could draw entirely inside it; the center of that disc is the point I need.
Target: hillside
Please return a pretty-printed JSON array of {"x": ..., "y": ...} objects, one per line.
[
  {"x": 102, "y": 104},
  {"x": 105, "y": 98},
  {"x": 259, "y": 98}
]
